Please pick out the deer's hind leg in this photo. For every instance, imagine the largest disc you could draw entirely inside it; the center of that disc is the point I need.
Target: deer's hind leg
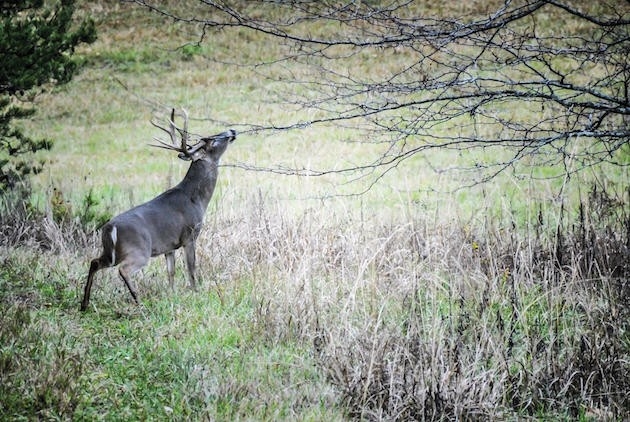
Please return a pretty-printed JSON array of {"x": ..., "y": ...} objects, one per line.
[
  {"x": 96, "y": 264},
  {"x": 109, "y": 237},
  {"x": 128, "y": 267}
]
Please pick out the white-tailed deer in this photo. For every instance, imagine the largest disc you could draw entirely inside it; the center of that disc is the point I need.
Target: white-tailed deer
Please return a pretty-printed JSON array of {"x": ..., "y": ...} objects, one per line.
[{"x": 168, "y": 222}]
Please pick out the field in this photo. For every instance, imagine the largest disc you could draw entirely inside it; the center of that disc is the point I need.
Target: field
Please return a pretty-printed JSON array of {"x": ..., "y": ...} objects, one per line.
[{"x": 322, "y": 297}]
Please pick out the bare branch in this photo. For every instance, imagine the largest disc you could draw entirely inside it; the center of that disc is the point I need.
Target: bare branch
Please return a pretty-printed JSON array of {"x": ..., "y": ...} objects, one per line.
[{"x": 546, "y": 80}]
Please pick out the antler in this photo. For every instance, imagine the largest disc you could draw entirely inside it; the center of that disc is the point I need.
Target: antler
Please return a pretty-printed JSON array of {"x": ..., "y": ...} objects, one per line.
[
  {"x": 185, "y": 151},
  {"x": 184, "y": 135}
]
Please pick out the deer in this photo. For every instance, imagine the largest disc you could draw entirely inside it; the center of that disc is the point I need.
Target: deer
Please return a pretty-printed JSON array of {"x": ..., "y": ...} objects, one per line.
[{"x": 170, "y": 221}]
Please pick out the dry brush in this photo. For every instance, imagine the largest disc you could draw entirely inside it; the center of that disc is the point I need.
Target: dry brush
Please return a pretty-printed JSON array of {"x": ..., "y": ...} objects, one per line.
[{"x": 417, "y": 319}]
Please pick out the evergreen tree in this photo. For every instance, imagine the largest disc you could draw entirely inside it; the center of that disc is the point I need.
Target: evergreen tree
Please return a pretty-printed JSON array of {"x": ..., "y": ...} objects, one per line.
[{"x": 37, "y": 40}]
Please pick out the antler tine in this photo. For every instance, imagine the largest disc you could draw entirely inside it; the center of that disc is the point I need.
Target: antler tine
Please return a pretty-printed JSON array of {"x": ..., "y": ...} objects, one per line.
[
  {"x": 185, "y": 134},
  {"x": 197, "y": 147},
  {"x": 170, "y": 131},
  {"x": 153, "y": 122},
  {"x": 164, "y": 145},
  {"x": 172, "y": 128}
]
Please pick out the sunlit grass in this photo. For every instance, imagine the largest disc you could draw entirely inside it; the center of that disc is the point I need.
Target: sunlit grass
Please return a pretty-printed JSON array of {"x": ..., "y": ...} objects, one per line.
[{"x": 100, "y": 127}]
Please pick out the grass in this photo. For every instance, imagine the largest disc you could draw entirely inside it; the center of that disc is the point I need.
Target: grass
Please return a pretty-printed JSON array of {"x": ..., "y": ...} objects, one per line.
[
  {"x": 182, "y": 355},
  {"x": 414, "y": 300},
  {"x": 321, "y": 315}
]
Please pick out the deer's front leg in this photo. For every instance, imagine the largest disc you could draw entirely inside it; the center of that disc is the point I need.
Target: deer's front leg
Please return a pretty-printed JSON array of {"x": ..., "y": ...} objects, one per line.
[
  {"x": 170, "y": 268},
  {"x": 189, "y": 251}
]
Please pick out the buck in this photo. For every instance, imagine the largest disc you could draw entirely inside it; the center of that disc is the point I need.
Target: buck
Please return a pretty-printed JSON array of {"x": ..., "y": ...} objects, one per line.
[{"x": 168, "y": 222}]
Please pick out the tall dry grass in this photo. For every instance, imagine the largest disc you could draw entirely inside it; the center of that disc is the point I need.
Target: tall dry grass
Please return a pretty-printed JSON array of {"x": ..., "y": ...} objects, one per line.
[{"x": 418, "y": 318}]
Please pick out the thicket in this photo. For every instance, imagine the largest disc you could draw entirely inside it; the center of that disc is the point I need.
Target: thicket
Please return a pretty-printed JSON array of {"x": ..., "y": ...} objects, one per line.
[{"x": 520, "y": 322}]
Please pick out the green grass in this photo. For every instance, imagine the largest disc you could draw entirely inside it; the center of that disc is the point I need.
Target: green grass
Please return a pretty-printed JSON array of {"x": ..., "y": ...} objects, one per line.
[
  {"x": 315, "y": 303},
  {"x": 179, "y": 355}
]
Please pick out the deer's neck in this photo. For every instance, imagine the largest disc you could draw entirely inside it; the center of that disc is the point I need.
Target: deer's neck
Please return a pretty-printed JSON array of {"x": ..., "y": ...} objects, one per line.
[{"x": 200, "y": 181}]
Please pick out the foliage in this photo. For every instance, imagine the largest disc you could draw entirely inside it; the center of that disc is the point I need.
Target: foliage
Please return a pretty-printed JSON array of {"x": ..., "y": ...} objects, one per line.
[{"x": 37, "y": 44}]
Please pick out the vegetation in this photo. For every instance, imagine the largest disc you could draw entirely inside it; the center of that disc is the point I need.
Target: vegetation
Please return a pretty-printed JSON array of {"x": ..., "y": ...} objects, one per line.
[
  {"x": 415, "y": 300},
  {"x": 37, "y": 44},
  {"x": 498, "y": 76}
]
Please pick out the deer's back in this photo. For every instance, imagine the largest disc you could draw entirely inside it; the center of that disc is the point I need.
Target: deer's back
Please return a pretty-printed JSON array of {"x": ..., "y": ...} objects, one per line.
[{"x": 161, "y": 225}]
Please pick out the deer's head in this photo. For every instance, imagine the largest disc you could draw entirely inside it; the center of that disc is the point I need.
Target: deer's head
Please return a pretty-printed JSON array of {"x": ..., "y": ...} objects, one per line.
[{"x": 209, "y": 148}]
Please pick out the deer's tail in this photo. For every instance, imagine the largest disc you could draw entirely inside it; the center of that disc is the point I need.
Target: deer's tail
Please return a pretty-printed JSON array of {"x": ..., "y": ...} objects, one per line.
[{"x": 110, "y": 237}]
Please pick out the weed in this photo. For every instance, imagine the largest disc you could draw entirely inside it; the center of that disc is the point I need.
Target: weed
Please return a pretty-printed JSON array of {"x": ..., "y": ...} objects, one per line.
[
  {"x": 39, "y": 377},
  {"x": 189, "y": 51},
  {"x": 91, "y": 216}
]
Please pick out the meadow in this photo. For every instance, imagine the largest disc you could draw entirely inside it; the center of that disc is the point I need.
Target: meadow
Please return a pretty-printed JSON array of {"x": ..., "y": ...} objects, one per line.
[{"x": 322, "y": 297}]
